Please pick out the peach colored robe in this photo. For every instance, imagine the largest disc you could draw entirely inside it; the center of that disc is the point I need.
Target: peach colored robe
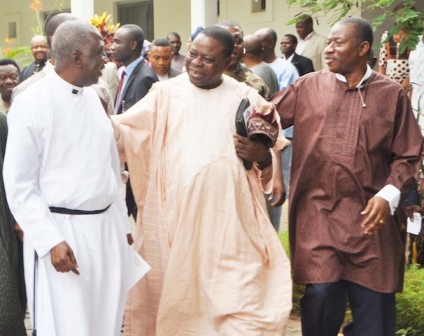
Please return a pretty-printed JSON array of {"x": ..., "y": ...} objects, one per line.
[{"x": 218, "y": 267}]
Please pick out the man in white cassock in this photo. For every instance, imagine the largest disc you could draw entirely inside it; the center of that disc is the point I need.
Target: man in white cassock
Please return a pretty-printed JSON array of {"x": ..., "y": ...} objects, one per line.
[{"x": 63, "y": 184}]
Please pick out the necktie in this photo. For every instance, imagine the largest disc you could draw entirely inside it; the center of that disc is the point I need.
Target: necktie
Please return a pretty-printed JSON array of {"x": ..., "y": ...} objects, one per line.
[{"x": 119, "y": 92}]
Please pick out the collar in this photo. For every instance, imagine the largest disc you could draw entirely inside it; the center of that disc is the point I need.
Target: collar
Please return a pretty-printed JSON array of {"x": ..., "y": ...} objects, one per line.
[
  {"x": 48, "y": 66},
  {"x": 420, "y": 42},
  {"x": 76, "y": 90},
  {"x": 163, "y": 78},
  {"x": 367, "y": 75},
  {"x": 308, "y": 37},
  {"x": 289, "y": 59},
  {"x": 130, "y": 67}
]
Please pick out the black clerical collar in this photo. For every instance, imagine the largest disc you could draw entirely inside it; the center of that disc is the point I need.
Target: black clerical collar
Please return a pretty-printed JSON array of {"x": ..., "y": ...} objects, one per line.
[{"x": 77, "y": 90}]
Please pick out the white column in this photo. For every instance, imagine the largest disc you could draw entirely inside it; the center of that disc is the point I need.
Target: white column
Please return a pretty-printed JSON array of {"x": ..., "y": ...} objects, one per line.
[
  {"x": 203, "y": 13},
  {"x": 83, "y": 9}
]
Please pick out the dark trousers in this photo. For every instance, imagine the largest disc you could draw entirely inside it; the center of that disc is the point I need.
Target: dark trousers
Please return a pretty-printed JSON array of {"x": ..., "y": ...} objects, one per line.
[
  {"x": 323, "y": 309},
  {"x": 129, "y": 199}
]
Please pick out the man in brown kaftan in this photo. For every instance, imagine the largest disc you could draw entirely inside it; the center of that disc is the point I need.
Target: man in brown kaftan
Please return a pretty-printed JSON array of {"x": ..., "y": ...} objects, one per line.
[{"x": 356, "y": 152}]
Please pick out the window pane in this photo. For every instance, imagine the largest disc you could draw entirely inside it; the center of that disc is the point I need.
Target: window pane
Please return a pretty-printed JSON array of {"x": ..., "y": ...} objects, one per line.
[{"x": 139, "y": 13}]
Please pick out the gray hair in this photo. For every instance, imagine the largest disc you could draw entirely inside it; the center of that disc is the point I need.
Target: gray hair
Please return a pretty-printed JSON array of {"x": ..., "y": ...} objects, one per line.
[
  {"x": 72, "y": 36},
  {"x": 38, "y": 38}
]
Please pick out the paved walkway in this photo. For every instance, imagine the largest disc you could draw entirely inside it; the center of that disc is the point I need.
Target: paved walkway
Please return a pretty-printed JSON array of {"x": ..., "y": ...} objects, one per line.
[
  {"x": 29, "y": 330},
  {"x": 293, "y": 328}
]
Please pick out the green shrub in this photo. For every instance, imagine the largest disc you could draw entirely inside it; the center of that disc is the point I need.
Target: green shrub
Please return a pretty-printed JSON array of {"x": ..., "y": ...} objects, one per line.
[
  {"x": 21, "y": 55},
  {"x": 410, "y": 304},
  {"x": 297, "y": 289}
]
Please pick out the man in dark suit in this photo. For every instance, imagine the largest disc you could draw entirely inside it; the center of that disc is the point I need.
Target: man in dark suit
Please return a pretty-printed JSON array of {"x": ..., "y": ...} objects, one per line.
[
  {"x": 160, "y": 59},
  {"x": 135, "y": 80},
  {"x": 178, "y": 59},
  {"x": 288, "y": 46},
  {"x": 137, "y": 77}
]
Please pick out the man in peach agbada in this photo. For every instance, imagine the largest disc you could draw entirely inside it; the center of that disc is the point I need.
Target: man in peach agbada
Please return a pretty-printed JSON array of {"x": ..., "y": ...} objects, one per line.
[{"x": 218, "y": 267}]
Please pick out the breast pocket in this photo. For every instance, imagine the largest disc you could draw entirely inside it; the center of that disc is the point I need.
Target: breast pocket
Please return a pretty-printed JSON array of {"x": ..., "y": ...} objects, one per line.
[{"x": 377, "y": 134}]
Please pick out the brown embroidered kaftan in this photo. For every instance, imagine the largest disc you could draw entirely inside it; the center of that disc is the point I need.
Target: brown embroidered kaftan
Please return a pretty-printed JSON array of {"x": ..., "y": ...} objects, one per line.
[{"x": 343, "y": 154}]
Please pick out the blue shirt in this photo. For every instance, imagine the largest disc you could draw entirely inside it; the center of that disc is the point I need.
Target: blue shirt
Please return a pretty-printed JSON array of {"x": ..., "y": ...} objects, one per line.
[{"x": 129, "y": 70}]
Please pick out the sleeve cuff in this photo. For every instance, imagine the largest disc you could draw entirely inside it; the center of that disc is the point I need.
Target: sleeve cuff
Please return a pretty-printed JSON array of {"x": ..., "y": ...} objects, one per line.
[{"x": 392, "y": 195}]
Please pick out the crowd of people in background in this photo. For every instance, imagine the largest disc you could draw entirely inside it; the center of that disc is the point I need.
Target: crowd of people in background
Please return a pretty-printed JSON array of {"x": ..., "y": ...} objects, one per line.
[{"x": 93, "y": 135}]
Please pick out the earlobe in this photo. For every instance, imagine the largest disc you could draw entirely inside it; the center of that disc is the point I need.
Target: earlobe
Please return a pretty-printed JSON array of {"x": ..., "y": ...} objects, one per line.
[
  {"x": 77, "y": 58},
  {"x": 133, "y": 45},
  {"x": 227, "y": 62},
  {"x": 364, "y": 47}
]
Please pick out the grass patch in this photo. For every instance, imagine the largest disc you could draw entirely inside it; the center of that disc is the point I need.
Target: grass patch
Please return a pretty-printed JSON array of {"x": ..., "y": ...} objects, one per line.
[
  {"x": 297, "y": 289},
  {"x": 410, "y": 304}
]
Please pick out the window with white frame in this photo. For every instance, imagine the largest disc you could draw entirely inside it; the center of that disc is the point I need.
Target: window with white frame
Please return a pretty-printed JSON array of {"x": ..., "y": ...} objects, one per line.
[
  {"x": 139, "y": 13},
  {"x": 258, "y": 6}
]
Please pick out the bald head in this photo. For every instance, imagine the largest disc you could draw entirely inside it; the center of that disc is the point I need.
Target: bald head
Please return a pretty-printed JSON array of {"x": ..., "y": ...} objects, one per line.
[
  {"x": 39, "y": 48},
  {"x": 38, "y": 39},
  {"x": 268, "y": 37},
  {"x": 230, "y": 24},
  {"x": 54, "y": 22},
  {"x": 267, "y": 33},
  {"x": 253, "y": 50},
  {"x": 252, "y": 45}
]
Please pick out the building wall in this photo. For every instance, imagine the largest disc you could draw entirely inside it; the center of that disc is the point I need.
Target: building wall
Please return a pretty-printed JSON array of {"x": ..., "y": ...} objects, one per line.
[
  {"x": 18, "y": 11},
  {"x": 277, "y": 15},
  {"x": 168, "y": 15},
  {"x": 172, "y": 15}
]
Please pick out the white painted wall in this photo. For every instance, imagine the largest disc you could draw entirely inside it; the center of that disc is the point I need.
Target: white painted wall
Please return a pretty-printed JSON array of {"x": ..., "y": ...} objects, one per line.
[
  {"x": 172, "y": 15},
  {"x": 276, "y": 16},
  {"x": 169, "y": 15},
  {"x": 83, "y": 9}
]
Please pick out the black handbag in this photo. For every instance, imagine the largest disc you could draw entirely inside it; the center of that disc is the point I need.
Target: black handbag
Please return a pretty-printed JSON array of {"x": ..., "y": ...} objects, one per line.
[{"x": 241, "y": 126}]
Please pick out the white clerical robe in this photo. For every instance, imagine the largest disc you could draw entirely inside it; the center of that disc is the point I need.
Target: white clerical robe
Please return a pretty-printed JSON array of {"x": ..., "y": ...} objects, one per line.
[
  {"x": 218, "y": 267},
  {"x": 61, "y": 152}
]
